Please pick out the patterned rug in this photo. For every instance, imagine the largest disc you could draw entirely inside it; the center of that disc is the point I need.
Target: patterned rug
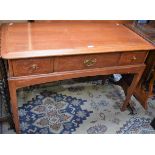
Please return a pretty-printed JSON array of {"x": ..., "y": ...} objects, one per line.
[
  {"x": 137, "y": 125},
  {"x": 52, "y": 113},
  {"x": 80, "y": 107}
]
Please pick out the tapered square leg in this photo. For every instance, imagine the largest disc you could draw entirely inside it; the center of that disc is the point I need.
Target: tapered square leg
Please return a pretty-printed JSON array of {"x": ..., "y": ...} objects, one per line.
[{"x": 130, "y": 90}]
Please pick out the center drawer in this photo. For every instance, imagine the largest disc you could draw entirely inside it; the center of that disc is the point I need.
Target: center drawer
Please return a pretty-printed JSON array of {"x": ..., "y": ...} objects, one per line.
[
  {"x": 24, "y": 67},
  {"x": 79, "y": 62}
]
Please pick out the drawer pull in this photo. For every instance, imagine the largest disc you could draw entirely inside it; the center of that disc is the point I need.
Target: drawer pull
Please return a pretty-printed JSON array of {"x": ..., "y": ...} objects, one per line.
[
  {"x": 133, "y": 58},
  {"x": 34, "y": 67},
  {"x": 89, "y": 62}
]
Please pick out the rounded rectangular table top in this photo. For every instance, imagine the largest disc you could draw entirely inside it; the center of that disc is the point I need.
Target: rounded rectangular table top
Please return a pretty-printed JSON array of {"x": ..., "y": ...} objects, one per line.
[{"x": 27, "y": 40}]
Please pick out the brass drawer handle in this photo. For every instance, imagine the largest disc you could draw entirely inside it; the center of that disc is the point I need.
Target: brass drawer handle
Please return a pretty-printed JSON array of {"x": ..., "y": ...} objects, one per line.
[
  {"x": 90, "y": 62},
  {"x": 133, "y": 58},
  {"x": 34, "y": 67}
]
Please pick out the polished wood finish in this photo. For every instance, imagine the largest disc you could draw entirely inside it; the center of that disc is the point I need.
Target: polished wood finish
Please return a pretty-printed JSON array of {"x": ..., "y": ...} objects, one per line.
[
  {"x": 148, "y": 78},
  {"x": 142, "y": 93},
  {"x": 27, "y": 40},
  {"x": 69, "y": 63},
  {"x": 25, "y": 67},
  {"x": 25, "y": 81},
  {"x": 76, "y": 49},
  {"x": 130, "y": 58}
]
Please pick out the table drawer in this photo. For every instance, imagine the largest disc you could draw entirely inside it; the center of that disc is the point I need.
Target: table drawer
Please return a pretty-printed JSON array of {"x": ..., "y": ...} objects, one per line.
[
  {"x": 131, "y": 58},
  {"x": 25, "y": 67},
  {"x": 79, "y": 62}
]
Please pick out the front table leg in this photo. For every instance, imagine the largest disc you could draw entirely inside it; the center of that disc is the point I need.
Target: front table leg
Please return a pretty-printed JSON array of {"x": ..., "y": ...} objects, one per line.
[
  {"x": 14, "y": 103},
  {"x": 130, "y": 90}
]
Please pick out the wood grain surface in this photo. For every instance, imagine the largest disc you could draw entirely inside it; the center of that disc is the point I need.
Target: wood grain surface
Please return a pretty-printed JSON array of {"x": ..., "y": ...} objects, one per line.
[{"x": 27, "y": 40}]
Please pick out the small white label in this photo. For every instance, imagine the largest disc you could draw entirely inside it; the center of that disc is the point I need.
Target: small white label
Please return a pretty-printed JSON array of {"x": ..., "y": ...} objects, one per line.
[
  {"x": 10, "y": 24},
  {"x": 90, "y": 46}
]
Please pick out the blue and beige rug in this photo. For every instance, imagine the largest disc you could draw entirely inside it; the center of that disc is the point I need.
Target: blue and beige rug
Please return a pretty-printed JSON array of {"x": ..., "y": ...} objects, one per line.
[{"x": 80, "y": 107}]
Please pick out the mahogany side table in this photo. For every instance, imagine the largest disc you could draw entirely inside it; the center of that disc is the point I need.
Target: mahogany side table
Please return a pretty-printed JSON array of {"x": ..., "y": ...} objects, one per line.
[{"x": 43, "y": 52}]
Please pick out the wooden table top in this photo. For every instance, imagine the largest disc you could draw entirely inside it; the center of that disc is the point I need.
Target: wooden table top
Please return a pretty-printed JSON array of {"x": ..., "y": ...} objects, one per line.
[{"x": 26, "y": 40}]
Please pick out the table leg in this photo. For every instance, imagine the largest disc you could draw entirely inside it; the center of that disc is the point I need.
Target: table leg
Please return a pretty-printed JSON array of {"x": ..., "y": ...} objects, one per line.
[
  {"x": 130, "y": 90},
  {"x": 14, "y": 105},
  {"x": 151, "y": 84}
]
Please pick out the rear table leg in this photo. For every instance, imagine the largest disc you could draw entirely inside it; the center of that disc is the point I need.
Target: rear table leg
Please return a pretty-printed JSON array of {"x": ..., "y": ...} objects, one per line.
[{"x": 130, "y": 90}]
